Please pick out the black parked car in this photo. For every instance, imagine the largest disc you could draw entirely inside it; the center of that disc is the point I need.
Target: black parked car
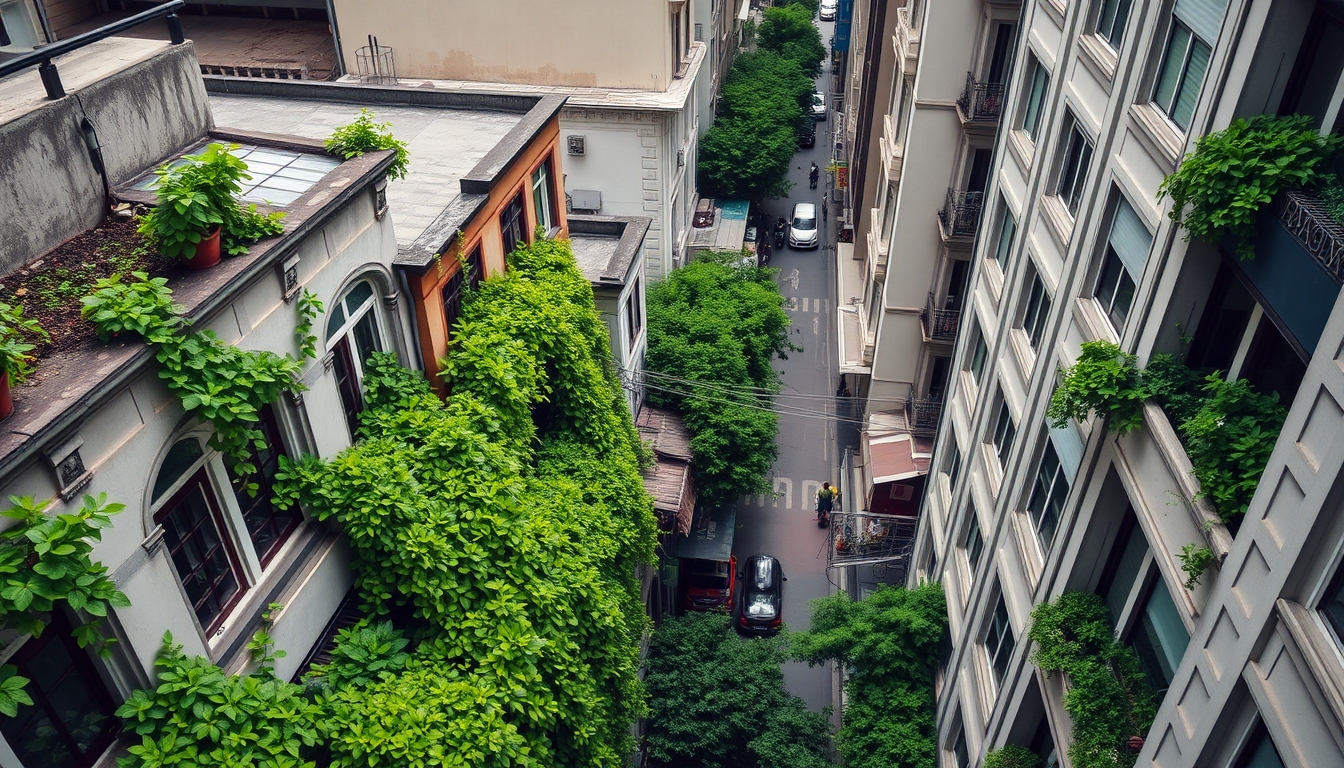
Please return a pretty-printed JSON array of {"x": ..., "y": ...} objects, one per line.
[
  {"x": 762, "y": 610},
  {"x": 807, "y": 133}
]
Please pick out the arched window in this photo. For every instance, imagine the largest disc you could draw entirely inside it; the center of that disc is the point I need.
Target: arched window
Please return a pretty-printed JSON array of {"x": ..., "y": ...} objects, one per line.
[
  {"x": 195, "y": 534},
  {"x": 353, "y": 335}
]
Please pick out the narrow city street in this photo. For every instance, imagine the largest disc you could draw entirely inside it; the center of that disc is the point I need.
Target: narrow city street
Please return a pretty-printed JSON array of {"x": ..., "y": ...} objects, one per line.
[{"x": 785, "y": 526}]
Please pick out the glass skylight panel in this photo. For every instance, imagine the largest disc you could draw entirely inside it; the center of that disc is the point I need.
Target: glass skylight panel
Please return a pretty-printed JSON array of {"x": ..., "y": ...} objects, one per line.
[{"x": 279, "y": 176}]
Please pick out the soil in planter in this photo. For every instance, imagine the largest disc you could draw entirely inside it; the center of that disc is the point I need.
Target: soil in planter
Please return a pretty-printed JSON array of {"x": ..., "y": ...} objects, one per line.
[{"x": 50, "y": 288}]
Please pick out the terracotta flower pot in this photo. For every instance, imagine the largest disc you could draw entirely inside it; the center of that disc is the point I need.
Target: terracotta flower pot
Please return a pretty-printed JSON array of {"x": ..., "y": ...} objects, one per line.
[
  {"x": 6, "y": 399},
  {"x": 207, "y": 252}
]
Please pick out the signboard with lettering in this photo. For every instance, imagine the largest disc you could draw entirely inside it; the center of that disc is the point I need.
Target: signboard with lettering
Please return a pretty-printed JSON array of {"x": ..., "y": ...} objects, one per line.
[{"x": 843, "y": 17}]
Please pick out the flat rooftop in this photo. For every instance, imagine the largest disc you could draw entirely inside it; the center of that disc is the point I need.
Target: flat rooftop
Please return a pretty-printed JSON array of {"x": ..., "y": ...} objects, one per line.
[
  {"x": 22, "y": 92},
  {"x": 606, "y": 246},
  {"x": 445, "y": 144}
]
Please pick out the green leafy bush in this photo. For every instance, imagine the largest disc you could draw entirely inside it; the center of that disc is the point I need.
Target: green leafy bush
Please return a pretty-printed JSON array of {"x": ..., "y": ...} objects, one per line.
[
  {"x": 889, "y": 643},
  {"x": 45, "y": 564},
  {"x": 718, "y": 701},
  {"x": 1104, "y": 380},
  {"x": 1235, "y": 172},
  {"x": 1108, "y": 699},
  {"x": 363, "y": 654},
  {"x": 1332, "y": 197},
  {"x": 1012, "y": 756},
  {"x": 364, "y": 135},
  {"x": 144, "y": 307},
  {"x": 789, "y": 31},
  {"x": 16, "y": 333},
  {"x": 714, "y": 333},
  {"x": 1229, "y": 441},
  {"x": 199, "y": 194},
  {"x": 1195, "y": 560}
]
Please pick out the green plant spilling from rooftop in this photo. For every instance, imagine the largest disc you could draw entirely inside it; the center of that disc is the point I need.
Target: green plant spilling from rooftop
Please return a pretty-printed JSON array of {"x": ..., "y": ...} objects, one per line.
[
  {"x": 718, "y": 700},
  {"x": 714, "y": 332},
  {"x": 1012, "y": 756},
  {"x": 364, "y": 135},
  {"x": 1228, "y": 429},
  {"x": 1218, "y": 190},
  {"x": 1108, "y": 699},
  {"x": 16, "y": 336},
  {"x": 889, "y": 643},
  {"x": 1195, "y": 560},
  {"x": 44, "y": 567},
  {"x": 200, "y": 194},
  {"x": 212, "y": 378}
]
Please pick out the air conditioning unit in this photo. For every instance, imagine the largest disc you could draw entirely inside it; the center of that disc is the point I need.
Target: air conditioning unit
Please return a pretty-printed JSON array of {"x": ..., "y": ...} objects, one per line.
[
  {"x": 578, "y": 145},
  {"x": 681, "y": 157}
]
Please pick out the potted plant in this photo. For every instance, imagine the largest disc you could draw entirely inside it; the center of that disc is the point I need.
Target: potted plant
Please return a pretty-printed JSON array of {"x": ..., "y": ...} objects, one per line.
[
  {"x": 198, "y": 215},
  {"x": 15, "y": 329}
]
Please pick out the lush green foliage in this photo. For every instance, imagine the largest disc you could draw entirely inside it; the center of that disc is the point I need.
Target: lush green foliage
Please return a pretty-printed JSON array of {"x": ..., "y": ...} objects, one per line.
[
  {"x": 747, "y": 152},
  {"x": 889, "y": 641},
  {"x": 718, "y": 701},
  {"x": 44, "y": 563},
  {"x": 1108, "y": 699},
  {"x": 1332, "y": 197},
  {"x": 16, "y": 331},
  {"x": 1229, "y": 441},
  {"x": 364, "y": 135},
  {"x": 714, "y": 332},
  {"x": 1195, "y": 560},
  {"x": 810, "y": 5},
  {"x": 309, "y": 307},
  {"x": 1104, "y": 380},
  {"x": 199, "y": 195},
  {"x": 1235, "y": 172},
  {"x": 1012, "y": 756},
  {"x": 198, "y": 716},
  {"x": 362, "y": 655},
  {"x": 789, "y": 32},
  {"x": 507, "y": 523},
  {"x": 214, "y": 380}
]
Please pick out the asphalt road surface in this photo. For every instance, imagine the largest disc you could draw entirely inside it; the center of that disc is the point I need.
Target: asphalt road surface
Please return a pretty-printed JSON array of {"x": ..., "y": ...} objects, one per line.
[{"x": 785, "y": 526}]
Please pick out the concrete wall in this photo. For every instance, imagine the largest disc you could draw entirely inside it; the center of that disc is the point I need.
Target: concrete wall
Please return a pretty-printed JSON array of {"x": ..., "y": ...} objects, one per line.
[
  {"x": 605, "y": 43},
  {"x": 49, "y": 188}
]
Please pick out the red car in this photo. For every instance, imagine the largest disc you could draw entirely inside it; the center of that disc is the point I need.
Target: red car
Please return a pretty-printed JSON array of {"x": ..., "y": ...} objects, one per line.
[{"x": 711, "y": 584}]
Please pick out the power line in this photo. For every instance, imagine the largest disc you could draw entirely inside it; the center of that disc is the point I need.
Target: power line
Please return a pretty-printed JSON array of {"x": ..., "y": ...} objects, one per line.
[{"x": 742, "y": 389}]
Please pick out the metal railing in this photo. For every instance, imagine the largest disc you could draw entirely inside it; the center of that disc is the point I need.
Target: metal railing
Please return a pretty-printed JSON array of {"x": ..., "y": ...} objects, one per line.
[
  {"x": 921, "y": 416},
  {"x": 940, "y": 323},
  {"x": 981, "y": 102},
  {"x": 1307, "y": 220},
  {"x": 866, "y": 538},
  {"x": 960, "y": 216},
  {"x": 41, "y": 57}
]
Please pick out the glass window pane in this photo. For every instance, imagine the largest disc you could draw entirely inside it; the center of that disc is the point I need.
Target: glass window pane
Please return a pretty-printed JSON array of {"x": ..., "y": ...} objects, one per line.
[
  {"x": 180, "y": 458},
  {"x": 1190, "y": 84},
  {"x": 1173, "y": 64},
  {"x": 1117, "y": 594},
  {"x": 359, "y": 293},
  {"x": 366, "y": 337},
  {"x": 335, "y": 321},
  {"x": 1163, "y": 623},
  {"x": 1040, "y": 81}
]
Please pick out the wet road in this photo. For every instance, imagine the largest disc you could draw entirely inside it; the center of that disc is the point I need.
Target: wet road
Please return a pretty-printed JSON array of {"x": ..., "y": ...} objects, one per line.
[{"x": 785, "y": 526}]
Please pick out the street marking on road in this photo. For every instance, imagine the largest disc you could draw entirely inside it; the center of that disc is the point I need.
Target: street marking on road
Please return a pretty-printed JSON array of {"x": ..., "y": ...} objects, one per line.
[
  {"x": 783, "y": 491},
  {"x": 804, "y": 303},
  {"x": 792, "y": 305},
  {"x": 816, "y": 326},
  {"x": 784, "y": 485},
  {"x": 792, "y": 279}
]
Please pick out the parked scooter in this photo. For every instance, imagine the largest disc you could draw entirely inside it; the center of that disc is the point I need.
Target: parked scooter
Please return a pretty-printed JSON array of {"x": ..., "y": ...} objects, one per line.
[
  {"x": 813, "y": 175},
  {"x": 781, "y": 227}
]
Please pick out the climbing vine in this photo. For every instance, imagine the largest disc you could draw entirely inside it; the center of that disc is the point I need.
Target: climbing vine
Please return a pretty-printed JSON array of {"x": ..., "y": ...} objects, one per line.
[{"x": 44, "y": 563}]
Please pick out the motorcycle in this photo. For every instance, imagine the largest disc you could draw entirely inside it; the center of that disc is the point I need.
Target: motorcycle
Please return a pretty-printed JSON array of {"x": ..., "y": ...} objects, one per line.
[
  {"x": 812, "y": 177},
  {"x": 823, "y": 519},
  {"x": 781, "y": 227}
]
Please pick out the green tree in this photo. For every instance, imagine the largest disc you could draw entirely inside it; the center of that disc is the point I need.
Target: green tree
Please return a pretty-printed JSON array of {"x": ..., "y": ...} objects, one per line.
[
  {"x": 789, "y": 32},
  {"x": 717, "y": 701},
  {"x": 714, "y": 332},
  {"x": 889, "y": 641}
]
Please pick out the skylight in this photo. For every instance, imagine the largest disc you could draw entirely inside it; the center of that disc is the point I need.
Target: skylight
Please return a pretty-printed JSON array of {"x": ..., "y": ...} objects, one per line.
[{"x": 279, "y": 176}]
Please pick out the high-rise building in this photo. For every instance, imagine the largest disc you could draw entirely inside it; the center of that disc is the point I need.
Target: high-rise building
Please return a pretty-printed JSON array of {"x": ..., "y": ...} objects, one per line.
[{"x": 1102, "y": 100}]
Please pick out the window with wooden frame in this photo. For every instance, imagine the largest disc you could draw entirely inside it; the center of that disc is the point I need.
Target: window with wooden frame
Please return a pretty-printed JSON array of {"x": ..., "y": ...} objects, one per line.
[
  {"x": 513, "y": 225},
  {"x": 542, "y": 200},
  {"x": 1074, "y": 166},
  {"x": 352, "y": 336},
  {"x": 267, "y": 525}
]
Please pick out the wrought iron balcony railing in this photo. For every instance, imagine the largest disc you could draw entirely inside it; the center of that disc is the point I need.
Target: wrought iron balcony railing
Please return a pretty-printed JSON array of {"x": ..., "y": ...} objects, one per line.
[
  {"x": 939, "y": 324},
  {"x": 960, "y": 216},
  {"x": 1314, "y": 228},
  {"x": 981, "y": 102},
  {"x": 921, "y": 416}
]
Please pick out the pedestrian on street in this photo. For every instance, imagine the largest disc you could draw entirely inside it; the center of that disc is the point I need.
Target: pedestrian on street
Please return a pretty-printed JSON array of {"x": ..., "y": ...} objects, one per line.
[{"x": 825, "y": 500}]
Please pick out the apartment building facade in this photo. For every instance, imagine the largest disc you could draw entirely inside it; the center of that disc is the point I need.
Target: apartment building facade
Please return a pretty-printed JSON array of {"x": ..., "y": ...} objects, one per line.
[
  {"x": 1104, "y": 100},
  {"x": 639, "y": 79}
]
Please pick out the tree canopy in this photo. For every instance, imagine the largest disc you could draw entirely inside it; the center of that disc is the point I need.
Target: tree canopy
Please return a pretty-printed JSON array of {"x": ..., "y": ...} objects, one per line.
[
  {"x": 789, "y": 31},
  {"x": 714, "y": 332},
  {"x": 889, "y": 641},
  {"x": 718, "y": 701}
]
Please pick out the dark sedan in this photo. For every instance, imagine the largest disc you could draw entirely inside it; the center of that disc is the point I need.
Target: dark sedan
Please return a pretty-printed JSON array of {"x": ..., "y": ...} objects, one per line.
[{"x": 762, "y": 609}]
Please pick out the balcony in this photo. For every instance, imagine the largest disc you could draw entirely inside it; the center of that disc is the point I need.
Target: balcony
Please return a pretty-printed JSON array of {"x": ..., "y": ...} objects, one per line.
[
  {"x": 939, "y": 325},
  {"x": 921, "y": 416},
  {"x": 960, "y": 217},
  {"x": 980, "y": 105},
  {"x": 906, "y": 41},
  {"x": 890, "y": 148}
]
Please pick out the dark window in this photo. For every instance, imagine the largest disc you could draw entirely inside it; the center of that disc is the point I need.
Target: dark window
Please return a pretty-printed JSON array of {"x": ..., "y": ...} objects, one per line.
[
  {"x": 70, "y": 722},
  {"x": 1183, "y": 66},
  {"x": 1222, "y": 324},
  {"x": 1259, "y": 751},
  {"x": 957, "y": 283},
  {"x": 1158, "y": 635},
  {"x": 1272, "y": 365},
  {"x": 1039, "y": 85},
  {"x": 1043, "y": 745},
  {"x": 1122, "y": 565},
  {"x": 1318, "y": 66},
  {"x": 634, "y": 314},
  {"x": 1332, "y": 606},
  {"x": 938, "y": 377},
  {"x": 979, "y": 175},
  {"x": 954, "y": 467},
  {"x": 347, "y": 384},
  {"x": 194, "y": 532},
  {"x": 542, "y": 200},
  {"x": 975, "y": 542},
  {"x": 1003, "y": 245},
  {"x": 1036, "y": 312},
  {"x": 1004, "y": 432},
  {"x": 352, "y": 336},
  {"x": 1000, "y": 61},
  {"x": 999, "y": 641},
  {"x": 978, "y": 356},
  {"x": 452, "y": 301},
  {"x": 959, "y": 752},
  {"x": 1073, "y": 171},
  {"x": 513, "y": 225},
  {"x": 1048, "y": 493},
  {"x": 1115, "y": 289},
  {"x": 1111, "y": 18},
  {"x": 267, "y": 526}
]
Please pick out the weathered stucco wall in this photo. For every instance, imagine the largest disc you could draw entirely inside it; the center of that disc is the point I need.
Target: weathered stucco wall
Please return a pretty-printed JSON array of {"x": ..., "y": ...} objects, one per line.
[{"x": 50, "y": 190}]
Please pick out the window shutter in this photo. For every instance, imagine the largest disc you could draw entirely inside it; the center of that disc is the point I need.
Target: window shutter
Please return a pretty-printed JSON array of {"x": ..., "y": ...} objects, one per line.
[
  {"x": 1068, "y": 447},
  {"x": 1203, "y": 17},
  {"x": 1130, "y": 239}
]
